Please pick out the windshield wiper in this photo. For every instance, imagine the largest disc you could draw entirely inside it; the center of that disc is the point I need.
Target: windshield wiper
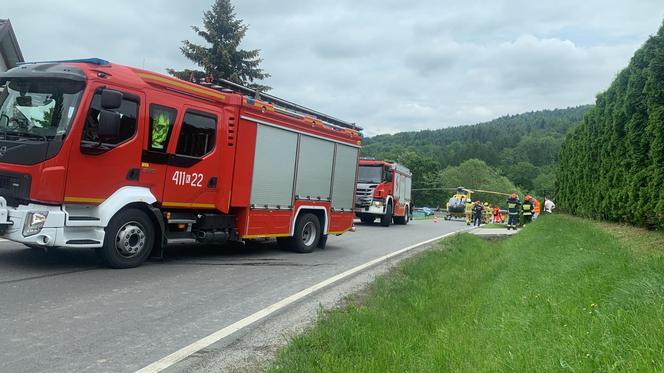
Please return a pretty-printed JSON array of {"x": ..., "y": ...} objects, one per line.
[{"x": 20, "y": 135}]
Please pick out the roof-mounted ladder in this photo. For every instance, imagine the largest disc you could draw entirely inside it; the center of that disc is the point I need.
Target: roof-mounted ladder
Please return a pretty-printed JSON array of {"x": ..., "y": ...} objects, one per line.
[{"x": 280, "y": 105}]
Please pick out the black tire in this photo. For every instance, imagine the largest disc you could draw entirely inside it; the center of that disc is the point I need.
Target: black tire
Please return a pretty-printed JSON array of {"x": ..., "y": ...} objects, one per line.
[
  {"x": 367, "y": 219},
  {"x": 303, "y": 242},
  {"x": 322, "y": 242},
  {"x": 386, "y": 219},
  {"x": 129, "y": 239},
  {"x": 401, "y": 220}
]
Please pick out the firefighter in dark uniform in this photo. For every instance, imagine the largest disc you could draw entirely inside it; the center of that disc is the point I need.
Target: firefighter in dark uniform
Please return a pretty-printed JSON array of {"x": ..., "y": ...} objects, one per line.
[
  {"x": 477, "y": 213},
  {"x": 513, "y": 207},
  {"x": 527, "y": 209}
]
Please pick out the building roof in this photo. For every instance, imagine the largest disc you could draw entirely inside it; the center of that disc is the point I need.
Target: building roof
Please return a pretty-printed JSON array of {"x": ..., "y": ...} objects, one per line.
[{"x": 9, "y": 48}]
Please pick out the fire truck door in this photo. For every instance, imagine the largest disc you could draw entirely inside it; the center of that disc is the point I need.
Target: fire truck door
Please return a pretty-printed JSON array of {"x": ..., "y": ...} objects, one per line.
[
  {"x": 99, "y": 168},
  {"x": 192, "y": 174}
]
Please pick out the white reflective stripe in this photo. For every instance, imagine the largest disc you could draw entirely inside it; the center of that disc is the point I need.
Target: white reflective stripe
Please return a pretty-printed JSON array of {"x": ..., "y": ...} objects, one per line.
[
  {"x": 297, "y": 213},
  {"x": 107, "y": 209}
]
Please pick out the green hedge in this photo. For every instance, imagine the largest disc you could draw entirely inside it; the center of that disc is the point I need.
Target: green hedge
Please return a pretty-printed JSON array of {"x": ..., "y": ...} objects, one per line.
[{"x": 612, "y": 165}]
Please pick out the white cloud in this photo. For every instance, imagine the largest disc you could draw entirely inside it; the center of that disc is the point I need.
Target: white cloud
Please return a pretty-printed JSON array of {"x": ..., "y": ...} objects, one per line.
[{"x": 388, "y": 65}]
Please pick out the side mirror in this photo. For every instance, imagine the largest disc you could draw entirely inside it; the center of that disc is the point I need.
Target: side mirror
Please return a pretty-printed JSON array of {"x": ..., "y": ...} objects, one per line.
[
  {"x": 111, "y": 99},
  {"x": 109, "y": 125}
]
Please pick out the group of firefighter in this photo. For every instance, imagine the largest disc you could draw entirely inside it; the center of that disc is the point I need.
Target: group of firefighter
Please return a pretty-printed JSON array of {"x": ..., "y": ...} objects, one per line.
[{"x": 518, "y": 213}]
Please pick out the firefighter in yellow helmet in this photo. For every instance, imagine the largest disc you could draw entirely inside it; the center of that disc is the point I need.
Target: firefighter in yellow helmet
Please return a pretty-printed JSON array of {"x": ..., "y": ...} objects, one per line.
[
  {"x": 527, "y": 209},
  {"x": 487, "y": 213},
  {"x": 468, "y": 211}
]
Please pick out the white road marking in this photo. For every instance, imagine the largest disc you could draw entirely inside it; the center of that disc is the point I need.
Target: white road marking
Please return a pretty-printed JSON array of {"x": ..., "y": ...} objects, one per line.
[{"x": 202, "y": 343}]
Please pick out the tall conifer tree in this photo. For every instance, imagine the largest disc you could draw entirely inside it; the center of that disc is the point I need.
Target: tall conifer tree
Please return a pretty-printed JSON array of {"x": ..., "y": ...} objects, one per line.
[{"x": 222, "y": 57}]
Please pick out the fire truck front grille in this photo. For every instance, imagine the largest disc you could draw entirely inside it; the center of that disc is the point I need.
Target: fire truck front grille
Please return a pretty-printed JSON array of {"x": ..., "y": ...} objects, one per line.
[
  {"x": 14, "y": 187},
  {"x": 364, "y": 195}
]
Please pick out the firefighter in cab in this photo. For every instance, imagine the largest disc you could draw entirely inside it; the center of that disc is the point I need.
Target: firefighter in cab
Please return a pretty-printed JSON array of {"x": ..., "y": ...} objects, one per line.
[
  {"x": 513, "y": 206},
  {"x": 527, "y": 209},
  {"x": 160, "y": 126}
]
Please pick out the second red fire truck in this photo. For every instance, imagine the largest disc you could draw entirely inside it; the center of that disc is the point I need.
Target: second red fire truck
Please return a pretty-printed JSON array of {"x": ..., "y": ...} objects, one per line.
[
  {"x": 125, "y": 161},
  {"x": 383, "y": 192}
]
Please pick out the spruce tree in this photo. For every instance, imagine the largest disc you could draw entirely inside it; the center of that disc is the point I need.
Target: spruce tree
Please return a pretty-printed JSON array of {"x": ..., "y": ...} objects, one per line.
[{"x": 221, "y": 57}]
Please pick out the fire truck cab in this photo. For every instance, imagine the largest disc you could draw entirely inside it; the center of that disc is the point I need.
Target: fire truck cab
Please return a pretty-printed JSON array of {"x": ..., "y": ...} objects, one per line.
[
  {"x": 126, "y": 161},
  {"x": 383, "y": 191}
]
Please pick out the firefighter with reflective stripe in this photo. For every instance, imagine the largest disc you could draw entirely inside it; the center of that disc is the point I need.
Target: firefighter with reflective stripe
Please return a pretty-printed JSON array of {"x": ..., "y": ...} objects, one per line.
[
  {"x": 478, "y": 210},
  {"x": 160, "y": 126},
  {"x": 468, "y": 210},
  {"x": 486, "y": 219},
  {"x": 513, "y": 205},
  {"x": 527, "y": 209}
]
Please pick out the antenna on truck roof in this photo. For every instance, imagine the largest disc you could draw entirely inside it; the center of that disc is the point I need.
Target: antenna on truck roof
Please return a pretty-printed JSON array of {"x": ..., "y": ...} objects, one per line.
[{"x": 286, "y": 106}]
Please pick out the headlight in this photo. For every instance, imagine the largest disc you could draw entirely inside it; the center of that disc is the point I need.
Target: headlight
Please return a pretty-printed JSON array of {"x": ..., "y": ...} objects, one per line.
[
  {"x": 378, "y": 203},
  {"x": 34, "y": 222}
]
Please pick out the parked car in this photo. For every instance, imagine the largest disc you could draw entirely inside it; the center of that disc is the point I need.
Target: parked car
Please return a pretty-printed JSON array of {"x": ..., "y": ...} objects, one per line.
[{"x": 423, "y": 211}]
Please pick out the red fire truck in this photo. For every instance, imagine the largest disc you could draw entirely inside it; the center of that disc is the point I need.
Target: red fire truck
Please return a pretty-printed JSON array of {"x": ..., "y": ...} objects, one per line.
[
  {"x": 383, "y": 191},
  {"x": 126, "y": 161}
]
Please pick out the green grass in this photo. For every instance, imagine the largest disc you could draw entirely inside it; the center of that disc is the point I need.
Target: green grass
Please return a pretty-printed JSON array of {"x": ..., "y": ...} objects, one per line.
[{"x": 563, "y": 295}]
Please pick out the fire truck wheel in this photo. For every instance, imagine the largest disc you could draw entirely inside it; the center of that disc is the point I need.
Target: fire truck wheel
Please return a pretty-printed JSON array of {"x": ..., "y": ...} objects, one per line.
[
  {"x": 307, "y": 234},
  {"x": 402, "y": 220},
  {"x": 386, "y": 219},
  {"x": 128, "y": 240},
  {"x": 322, "y": 242}
]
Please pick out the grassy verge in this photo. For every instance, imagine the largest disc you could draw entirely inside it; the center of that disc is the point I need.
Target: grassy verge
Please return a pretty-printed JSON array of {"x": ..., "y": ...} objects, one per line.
[{"x": 564, "y": 294}]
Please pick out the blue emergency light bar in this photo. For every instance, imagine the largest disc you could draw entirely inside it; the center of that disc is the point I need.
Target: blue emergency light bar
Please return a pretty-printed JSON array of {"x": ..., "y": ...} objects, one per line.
[{"x": 93, "y": 61}]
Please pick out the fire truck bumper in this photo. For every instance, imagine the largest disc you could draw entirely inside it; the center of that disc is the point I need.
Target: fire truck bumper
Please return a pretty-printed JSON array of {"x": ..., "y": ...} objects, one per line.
[
  {"x": 372, "y": 209},
  {"x": 44, "y": 225}
]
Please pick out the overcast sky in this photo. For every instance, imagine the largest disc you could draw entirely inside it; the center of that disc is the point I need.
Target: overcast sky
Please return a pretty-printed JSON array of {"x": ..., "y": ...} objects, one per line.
[{"x": 388, "y": 65}]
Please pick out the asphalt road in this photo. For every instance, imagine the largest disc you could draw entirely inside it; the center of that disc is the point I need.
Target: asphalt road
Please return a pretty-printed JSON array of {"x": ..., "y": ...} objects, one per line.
[{"x": 61, "y": 311}]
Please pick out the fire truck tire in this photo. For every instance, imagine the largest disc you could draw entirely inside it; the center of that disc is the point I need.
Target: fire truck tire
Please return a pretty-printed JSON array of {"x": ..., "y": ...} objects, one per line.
[
  {"x": 322, "y": 242},
  {"x": 129, "y": 239},
  {"x": 306, "y": 235},
  {"x": 402, "y": 220},
  {"x": 386, "y": 219}
]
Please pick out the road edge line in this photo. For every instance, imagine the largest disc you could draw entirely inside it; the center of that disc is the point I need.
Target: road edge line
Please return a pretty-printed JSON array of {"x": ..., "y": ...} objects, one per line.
[{"x": 183, "y": 353}]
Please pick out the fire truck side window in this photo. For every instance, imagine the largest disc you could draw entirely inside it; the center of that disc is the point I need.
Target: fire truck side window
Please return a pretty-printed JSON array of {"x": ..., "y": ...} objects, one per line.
[
  {"x": 161, "y": 126},
  {"x": 197, "y": 134},
  {"x": 128, "y": 111},
  {"x": 387, "y": 173}
]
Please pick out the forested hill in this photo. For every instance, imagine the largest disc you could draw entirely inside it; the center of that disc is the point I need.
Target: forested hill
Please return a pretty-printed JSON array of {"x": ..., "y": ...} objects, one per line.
[
  {"x": 522, "y": 147},
  {"x": 612, "y": 165},
  {"x": 486, "y": 141}
]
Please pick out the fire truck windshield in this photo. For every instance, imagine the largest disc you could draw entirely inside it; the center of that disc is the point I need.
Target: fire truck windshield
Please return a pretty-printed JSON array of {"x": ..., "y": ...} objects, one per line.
[
  {"x": 38, "y": 108},
  {"x": 371, "y": 174}
]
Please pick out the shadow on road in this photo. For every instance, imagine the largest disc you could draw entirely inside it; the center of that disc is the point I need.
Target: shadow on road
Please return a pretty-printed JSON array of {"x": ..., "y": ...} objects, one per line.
[{"x": 52, "y": 259}]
